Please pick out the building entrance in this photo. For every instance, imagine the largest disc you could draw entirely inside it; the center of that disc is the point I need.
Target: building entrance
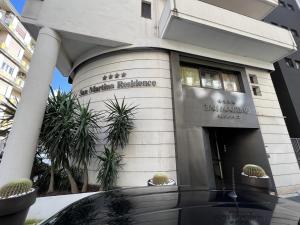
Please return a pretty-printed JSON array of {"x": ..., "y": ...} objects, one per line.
[{"x": 231, "y": 149}]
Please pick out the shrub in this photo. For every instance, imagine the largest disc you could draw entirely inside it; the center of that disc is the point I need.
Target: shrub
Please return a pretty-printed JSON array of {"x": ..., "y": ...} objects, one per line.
[
  {"x": 254, "y": 170},
  {"x": 16, "y": 188},
  {"x": 160, "y": 179},
  {"x": 110, "y": 162}
]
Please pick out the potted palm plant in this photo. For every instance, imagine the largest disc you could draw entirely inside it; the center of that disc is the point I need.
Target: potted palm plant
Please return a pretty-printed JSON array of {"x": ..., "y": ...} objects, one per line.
[
  {"x": 15, "y": 199},
  {"x": 255, "y": 177}
]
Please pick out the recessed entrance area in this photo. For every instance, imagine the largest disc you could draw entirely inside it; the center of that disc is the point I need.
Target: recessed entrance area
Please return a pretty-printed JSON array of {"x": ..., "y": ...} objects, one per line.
[{"x": 231, "y": 149}]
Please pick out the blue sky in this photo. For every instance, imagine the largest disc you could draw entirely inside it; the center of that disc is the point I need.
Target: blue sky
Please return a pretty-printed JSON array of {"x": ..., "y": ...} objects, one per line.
[{"x": 59, "y": 81}]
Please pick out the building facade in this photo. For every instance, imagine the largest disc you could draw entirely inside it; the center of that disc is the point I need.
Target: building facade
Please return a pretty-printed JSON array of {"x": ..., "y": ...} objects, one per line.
[
  {"x": 286, "y": 77},
  {"x": 199, "y": 72},
  {"x": 16, "y": 49}
]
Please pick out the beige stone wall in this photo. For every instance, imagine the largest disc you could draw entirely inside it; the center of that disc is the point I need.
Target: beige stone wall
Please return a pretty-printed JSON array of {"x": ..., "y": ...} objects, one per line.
[
  {"x": 151, "y": 147},
  {"x": 277, "y": 141}
]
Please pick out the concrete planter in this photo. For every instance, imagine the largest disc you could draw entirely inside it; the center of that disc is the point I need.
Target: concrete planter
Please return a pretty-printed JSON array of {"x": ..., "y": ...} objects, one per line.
[
  {"x": 13, "y": 211},
  {"x": 256, "y": 183},
  {"x": 170, "y": 183}
]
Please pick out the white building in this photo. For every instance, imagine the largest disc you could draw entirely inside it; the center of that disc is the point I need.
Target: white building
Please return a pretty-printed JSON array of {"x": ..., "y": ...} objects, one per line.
[{"x": 198, "y": 70}]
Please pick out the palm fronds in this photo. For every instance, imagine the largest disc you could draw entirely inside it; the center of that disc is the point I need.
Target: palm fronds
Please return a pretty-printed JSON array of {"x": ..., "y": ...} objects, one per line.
[
  {"x": 120, "y": 122},
  {"x": 8, "y": 110},
  {"x": 110, "y": 162}
]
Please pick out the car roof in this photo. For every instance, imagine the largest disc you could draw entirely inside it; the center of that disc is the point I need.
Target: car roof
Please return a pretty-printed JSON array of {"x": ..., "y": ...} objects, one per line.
[{"x": 178, "y": 205}]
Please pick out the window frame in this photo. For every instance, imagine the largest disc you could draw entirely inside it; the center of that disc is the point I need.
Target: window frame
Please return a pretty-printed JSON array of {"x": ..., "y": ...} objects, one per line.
[
  {"x": 297, "y": 64},
  {"x": 257, "y": 91},
  {"x": 295, "y": 32},
  {"x": 290, "y": 7},
  {"x": 289, "y": 63},
  {"x": 282, "y": 3},
  {"x": 143, "y": 15},
  {"x": 253, "y": 79},
  {"x": 201, "y": 68}
]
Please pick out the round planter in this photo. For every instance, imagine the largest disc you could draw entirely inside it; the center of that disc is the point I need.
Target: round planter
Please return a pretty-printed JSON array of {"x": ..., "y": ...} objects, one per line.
[
  {"x": 13, "y": 211},
  {"x": 170, "y": 183},
  {"x": 258, "y": 183}
]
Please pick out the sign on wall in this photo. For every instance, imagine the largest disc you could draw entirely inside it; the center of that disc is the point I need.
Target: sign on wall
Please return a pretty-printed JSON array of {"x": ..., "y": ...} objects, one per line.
[{"x": 110, "y": 83}]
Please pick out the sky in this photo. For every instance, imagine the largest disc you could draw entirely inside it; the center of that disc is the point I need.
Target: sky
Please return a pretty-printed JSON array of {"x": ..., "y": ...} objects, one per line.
[{"x": 58, "y": 81}]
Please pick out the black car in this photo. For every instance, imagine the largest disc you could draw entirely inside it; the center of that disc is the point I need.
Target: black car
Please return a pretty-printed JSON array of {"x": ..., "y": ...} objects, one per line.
[{"x": 179, "y": 206}]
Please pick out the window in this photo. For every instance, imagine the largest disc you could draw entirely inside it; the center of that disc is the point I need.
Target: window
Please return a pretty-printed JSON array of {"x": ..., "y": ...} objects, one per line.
[
  {"x": 231, "y": 82},
  {"x": 190, "y": 76},
  {"x": 290, "y": 7},
  {"x": 211, "y": 79},
  {"x": 3, "y": 65},
  {"x": 295, "y": 33},
  {"x": 206, "y": 77},
  {"x": 297, "y": 64},
  {"x": 253, "y": 79},
  {"x": 281, "y": 3},
  {"x": 146, "y": 9},
  {"x": 256, "y": 91},
  {"x": 11, "y": 71},
  {"x": 289, "y": 62}
]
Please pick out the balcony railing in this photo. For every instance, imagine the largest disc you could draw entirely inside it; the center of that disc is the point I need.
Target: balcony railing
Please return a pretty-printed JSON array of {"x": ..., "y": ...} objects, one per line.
[
  {"x": 23, "y": 65},
  {"x": 213, "y": 28},
  {"x": 15, "y": 82},
  {"x": 7, "y": 21}
]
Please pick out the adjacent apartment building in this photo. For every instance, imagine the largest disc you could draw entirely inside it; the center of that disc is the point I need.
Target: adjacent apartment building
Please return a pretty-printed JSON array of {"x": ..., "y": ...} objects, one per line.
[
  {"x": 286, "y": 77},
  {"x": 16, "y": 49},
  {"x": 199, "y": 72}
]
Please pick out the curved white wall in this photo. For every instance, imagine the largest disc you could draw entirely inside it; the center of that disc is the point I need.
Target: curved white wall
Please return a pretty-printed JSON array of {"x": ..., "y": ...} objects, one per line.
[{"x": 151, "y": 146}]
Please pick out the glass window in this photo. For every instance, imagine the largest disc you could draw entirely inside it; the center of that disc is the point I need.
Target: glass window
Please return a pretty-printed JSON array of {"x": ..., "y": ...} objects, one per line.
[
  {"x": 294, "y": 32},
  {"x": 290, "y": 7},
  {"x": 208, "y": 77},
  {"x": 281, "y": 3},
  {"x": 289, "y": 62},
  {"x": 190, "y": 76},
  {"x": 253, "y": 79},
  {"x": 231, "y": 82},
  {"x": 211, "y": 79},
  {"x": 297, "y": 64},
  {"x": 11, "y": 71},
  {"x": 256, "y": 91},
  {"x": 146, "y": 9},
  {"x": 3, "y": 65}
]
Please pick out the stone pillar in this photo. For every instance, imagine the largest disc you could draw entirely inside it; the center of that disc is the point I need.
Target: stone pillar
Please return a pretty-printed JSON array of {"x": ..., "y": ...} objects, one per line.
[{"x": 22, "y": 142}]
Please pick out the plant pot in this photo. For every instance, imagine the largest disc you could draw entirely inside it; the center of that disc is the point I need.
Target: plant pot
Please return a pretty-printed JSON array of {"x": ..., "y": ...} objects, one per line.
[
  {"x": 170, "y": 183},
  {"x": 256, "y": 183},
  {"x": 13, "y": 211}
]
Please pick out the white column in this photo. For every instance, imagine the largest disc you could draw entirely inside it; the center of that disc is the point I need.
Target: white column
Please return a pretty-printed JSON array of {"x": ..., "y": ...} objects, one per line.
[{"x": 21, "y": 145}]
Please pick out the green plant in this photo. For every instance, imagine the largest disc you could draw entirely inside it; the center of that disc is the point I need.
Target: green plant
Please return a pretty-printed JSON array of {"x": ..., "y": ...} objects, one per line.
[
  {"x": 110, "y": 162},
  {"x": 32, "y": 221},
  {"x": 8, "y": 109},
  {"x": 85, "y": 137},
  {"x": 57, "y": 133},
  {"x": 119, "y": 124},
  {"x": 119, "y": 121},
  {"x": 160, "y": 179},
  {"x": 254, "y": 170},
  {"x": 15, "y": 188}
]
